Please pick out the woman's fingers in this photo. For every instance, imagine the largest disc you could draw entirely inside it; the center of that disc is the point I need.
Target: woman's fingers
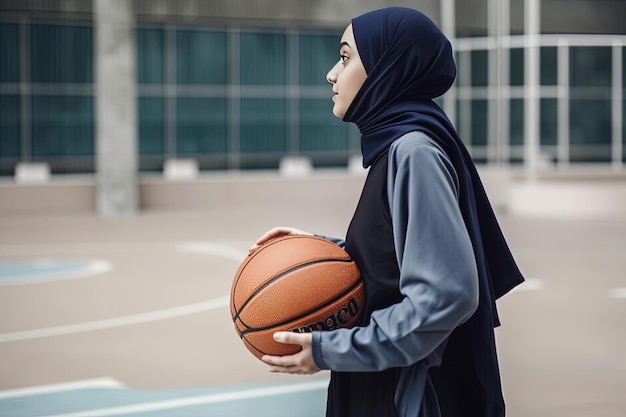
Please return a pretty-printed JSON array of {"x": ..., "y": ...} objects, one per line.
[
  {"x": 299, "y": 363},
  {"x": 275, "y": 233}
]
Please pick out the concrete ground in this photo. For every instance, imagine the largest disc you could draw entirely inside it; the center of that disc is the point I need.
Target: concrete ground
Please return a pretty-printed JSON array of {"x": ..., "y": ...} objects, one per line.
[{"x": 152, "y": 314}]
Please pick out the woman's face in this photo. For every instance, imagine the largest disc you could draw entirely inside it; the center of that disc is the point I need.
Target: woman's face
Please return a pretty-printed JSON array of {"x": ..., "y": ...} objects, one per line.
[{"x": 347, "y": 76}]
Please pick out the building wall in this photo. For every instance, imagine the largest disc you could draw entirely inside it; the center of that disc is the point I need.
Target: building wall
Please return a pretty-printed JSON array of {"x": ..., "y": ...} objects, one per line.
[
  {"x": 558, "y": 16},
  {"x": 293, "y": 13},
  {"x": 238, "y": 84}
]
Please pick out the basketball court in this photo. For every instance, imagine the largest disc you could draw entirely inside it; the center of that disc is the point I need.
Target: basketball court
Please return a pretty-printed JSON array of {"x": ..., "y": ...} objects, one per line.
[{"x": 129, "y": 316}]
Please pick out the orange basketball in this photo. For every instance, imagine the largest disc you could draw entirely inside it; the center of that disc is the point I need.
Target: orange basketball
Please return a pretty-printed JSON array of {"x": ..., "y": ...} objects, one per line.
[{"x": 298, "y": 284}]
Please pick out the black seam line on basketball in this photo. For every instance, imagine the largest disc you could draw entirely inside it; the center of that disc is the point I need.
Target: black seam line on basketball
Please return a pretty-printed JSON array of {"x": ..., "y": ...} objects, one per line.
[
  {"x": 273, "y": 241},
  {"x": 258, "y": 329},
  {"x": 254, "y": 347},
  {"x": 253, "y": 254},
  {"x": 270, "y": 243},
  {"x": 295, "y": 268}
]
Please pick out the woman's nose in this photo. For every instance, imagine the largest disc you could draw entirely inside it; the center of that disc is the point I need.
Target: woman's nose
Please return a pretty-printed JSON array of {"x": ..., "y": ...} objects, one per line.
[{"x": 331, "y": 77}]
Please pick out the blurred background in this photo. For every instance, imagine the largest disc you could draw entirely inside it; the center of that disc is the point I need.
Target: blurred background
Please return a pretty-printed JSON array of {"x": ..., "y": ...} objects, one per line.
[
  {"x": 135, "y": 134},
  {"x": 237, "y": 84}
]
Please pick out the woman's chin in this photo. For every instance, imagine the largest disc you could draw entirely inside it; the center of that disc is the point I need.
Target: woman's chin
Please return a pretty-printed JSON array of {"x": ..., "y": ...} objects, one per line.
[{"x": 338, "y": 112}]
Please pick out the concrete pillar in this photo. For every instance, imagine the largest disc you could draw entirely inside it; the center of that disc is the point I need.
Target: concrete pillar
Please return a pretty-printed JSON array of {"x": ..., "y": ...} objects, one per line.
[
  {"x": 116, "y": 115},
  {"x": 532, "y": 30}
]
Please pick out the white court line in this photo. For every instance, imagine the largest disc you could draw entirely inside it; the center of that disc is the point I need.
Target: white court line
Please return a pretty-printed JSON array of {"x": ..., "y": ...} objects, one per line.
[
  {"x": 199, "y": 400},
  {"x": 116, "y": 321},
  {"x": 63, "y": 386},
  {"x": 531, "y": 284},
  {"x": 617, "y": 293},
  {"x": 193, "y": 247}
]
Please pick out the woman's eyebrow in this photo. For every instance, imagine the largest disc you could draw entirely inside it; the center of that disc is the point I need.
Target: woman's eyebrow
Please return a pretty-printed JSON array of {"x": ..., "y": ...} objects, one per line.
[{"x": 345, "y": 44}]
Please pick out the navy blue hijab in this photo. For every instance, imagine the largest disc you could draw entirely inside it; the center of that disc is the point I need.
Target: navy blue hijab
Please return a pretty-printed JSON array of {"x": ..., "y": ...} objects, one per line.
[{"x": 409, "y": 62}]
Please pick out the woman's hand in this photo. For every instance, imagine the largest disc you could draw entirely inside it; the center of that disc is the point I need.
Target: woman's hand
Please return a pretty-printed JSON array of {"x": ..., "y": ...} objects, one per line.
[
  {"x": 278, "y": 232},
  {"x": 299, "y": 363}
]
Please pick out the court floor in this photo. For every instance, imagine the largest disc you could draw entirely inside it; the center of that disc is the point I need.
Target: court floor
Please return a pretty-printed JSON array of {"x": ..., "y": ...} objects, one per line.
[{"x": 129, "y": 316}]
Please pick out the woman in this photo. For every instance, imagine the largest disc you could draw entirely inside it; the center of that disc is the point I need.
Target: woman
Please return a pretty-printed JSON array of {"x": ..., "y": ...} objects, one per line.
[{"x": 423, "y": 234}]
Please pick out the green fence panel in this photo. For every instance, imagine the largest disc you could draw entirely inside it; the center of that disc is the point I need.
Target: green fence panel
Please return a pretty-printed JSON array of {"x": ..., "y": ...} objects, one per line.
[
  {"x": 263, "y": 58},
  {"x": 201, "y": 126},
  {"x": 150, "y": 61},
  {"x": 201, "y": 57},
  {"x": 62, "y": 54},
  {"x": 151, "y": 126},
  {"x": 9, "y": 52},
  {"x": 320, "y": 131},
  {"x": 62, "y": 126},
  {"x": 263, "y": 125}
]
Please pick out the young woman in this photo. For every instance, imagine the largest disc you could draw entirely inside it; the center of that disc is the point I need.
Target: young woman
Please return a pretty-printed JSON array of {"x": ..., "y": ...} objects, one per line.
[{"x": 430, "y": 250}]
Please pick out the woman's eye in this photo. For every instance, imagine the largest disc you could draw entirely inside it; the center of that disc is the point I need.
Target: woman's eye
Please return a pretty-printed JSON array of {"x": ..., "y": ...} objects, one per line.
[{"x": 343, "y": 58}]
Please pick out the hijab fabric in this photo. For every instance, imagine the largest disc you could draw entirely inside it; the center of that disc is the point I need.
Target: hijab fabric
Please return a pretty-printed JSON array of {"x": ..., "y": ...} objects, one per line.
[{"x": 409, "y": 62}]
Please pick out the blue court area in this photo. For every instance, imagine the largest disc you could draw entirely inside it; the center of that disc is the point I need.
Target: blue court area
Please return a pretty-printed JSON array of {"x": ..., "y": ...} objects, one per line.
[
  {"x": 49, "y": 269},
  {"x": 303, "y": 399}
]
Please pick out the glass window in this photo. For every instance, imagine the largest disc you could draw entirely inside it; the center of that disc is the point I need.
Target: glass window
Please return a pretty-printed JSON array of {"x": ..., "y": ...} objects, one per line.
[
  {"x": 464, "y": 117},
  {"x": 9, "y": 52},
  {"x": 320, "y": 131},
  {"x": 517, "y": 66},
  {"x": 590, "y": 130},
  {"x": 590, "y": 121},
  {"x": 318, "y": 54},
  {"x": 62, "y": 126},
  {"x": 151, "y": 126},
  {"x": 590, "y": 66},
  {"x": 548, "y": 64},
  {"x": 458, "y": 125},
  {"x": 263, "y": 125},
  {"x": 548, "y": 121},
  {"x": 479, "y": 122},
  {"x": 150, "y": 56},
  {"x": 462, "y": 68},
  {"x": 61, "y": 54},
  {"x": 202, "y": 57},
  {"x": 9, "y": 126},
  {"x": 516, "y": 115},
  {"x": 263, "y": 59},
  {"x": 479, "y": 68},
  {"x": 201, "y": 126}
]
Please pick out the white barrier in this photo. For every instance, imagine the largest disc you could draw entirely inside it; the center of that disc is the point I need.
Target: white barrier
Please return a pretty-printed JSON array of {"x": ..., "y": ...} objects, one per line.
[
  {"x": 32, "y": 173},
  {"x": 295, "y": 166},
  {"x": 180, "y": 169}
]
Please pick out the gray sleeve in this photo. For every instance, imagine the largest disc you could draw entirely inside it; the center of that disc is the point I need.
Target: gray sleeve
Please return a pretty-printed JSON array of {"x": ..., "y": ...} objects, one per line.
[{"x": 438, "y": 275}]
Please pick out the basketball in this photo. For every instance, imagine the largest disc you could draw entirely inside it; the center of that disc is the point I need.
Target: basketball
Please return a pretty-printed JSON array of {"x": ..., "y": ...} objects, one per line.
[{"x": 297, "y": 284}]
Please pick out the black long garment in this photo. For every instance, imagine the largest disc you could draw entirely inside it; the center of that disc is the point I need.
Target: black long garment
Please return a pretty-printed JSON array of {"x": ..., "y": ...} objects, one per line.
[
  {"x": 370, "y": 243},
  {"x": 416, "y": 258}
]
